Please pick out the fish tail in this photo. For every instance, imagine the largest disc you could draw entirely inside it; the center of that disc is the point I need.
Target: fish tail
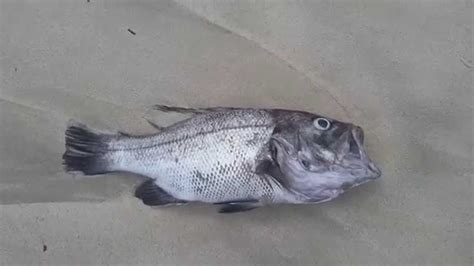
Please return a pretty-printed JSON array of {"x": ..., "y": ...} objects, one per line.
[{"x": 86, "y": 150}]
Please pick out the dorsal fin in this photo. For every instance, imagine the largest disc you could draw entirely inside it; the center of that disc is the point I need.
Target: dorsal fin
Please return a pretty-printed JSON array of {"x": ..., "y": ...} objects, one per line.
[
  {"x": 185, "y": 110},
  {"x": 156, "y": 126}
]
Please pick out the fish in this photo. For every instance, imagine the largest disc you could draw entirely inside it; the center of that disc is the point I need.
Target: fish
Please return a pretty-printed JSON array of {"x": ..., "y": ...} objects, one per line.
[{"x": 236, "y": 158}]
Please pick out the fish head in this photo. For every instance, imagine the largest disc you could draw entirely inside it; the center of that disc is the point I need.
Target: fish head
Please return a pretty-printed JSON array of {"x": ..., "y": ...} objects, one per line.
[{"x": 321, "y": 158}]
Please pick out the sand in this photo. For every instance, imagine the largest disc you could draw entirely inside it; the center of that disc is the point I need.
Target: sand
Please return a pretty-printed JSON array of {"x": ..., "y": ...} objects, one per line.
[{"x": 401, "y": 70}]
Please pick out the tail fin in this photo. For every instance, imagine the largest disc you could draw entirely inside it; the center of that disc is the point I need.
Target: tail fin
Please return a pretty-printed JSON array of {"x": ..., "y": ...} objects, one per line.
[{"x": 86, "y": 150}]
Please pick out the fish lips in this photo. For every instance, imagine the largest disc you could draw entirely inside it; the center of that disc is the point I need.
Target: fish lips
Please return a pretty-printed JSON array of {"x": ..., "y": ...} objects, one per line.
[
  {"x": 351, "y": 153},
  {"x": 373, "y": 171}
]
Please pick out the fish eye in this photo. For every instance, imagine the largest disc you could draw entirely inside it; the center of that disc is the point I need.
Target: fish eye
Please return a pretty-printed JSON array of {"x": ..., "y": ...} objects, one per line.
[{"x": 322, "y": 123}]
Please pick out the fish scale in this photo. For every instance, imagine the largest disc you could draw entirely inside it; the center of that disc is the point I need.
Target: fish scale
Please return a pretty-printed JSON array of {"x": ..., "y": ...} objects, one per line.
[
  {"x": 242, "y": 158},
  {"x": 209, "y": 158}
]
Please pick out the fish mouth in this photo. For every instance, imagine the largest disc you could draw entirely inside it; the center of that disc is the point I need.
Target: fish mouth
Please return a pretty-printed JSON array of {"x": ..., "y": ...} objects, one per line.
[{"x": 357, "y": 142}]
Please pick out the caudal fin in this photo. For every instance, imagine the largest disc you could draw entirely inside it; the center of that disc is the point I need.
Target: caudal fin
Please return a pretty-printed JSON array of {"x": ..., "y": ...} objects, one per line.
[{"x": 86, "y": 150}]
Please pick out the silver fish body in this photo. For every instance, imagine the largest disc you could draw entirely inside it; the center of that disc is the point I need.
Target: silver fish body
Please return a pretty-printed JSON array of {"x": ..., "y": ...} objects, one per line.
[
  {"x": 220, "y": 155},
  {"x": 209, "y": 158}
]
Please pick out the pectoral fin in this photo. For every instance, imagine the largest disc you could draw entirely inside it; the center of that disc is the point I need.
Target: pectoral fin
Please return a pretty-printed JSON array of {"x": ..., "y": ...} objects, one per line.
[
  {"x": 234, "y": 202},
  {"x": 268, "y": 166},
  {"x": 239, "y": 207}
]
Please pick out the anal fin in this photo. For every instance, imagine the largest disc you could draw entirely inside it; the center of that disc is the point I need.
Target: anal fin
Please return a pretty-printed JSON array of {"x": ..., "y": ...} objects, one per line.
[{"x": 152, "y": 195}]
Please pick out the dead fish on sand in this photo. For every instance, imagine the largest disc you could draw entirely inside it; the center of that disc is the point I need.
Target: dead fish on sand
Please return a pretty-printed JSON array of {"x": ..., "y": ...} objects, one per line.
[{"x": 238, "y": 158}]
